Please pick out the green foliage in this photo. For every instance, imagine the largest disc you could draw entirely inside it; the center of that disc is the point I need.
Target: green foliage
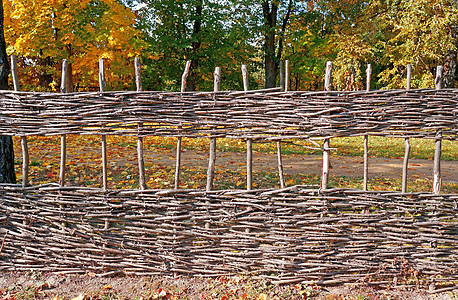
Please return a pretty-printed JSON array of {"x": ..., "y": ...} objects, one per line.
[
  {"x": 388, "y": 34},
  {"x": 204, "y": 32},
  {"x": 415, "y": 32}
]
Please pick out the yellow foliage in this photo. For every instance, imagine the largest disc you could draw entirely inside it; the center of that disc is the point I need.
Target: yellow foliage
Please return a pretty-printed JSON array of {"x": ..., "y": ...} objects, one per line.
[{"x": 43, "y": 32}]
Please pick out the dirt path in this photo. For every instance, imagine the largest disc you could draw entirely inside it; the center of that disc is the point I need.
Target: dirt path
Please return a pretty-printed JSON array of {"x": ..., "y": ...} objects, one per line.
[{"x": 311, "y": 164}]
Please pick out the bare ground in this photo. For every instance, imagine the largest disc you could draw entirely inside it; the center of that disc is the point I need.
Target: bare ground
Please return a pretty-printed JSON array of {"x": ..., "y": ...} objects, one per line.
[
  {"x": 88, "y": 286},
  {"x": 311, "y": 164}
]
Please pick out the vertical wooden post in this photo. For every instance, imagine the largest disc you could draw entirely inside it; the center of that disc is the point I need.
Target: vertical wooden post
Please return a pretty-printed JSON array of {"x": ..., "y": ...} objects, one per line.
[
  {"x": 437, "y": 180},
  {"x": 184, "y": 78},
  {"x": 25, "y": 161},
  {"x": 366, "y": 137},
  {"x": 212, "y": 152},
  {"x": 141, "y": 159},
  {"x": 368, "y": 77},
  {"x": 284, "y": 87},
  {"x": 102, "y": 85},
  {"x": 438, "y": 144},
  {"x": 286, "y": 75},
  {"x": 14, "y": 73},
  {"x": 102, "y": 82},
  {"x": 439, "y": 77},
  {"x": 245, "y": 77},
  {"x": 64, "y": 77},
  {"x": 328, "y": 77},
  {"x": 138, "y": 75},
  {"x": 280, "y": 165},
  {"x": 409, "y": 76},
  {"x": 366, "y": 162},
  {"x": 249, "y": 142},
  {"x": 24, "y": 145},
  {"x": 282, "y": 77},
  {"x": 405, "y": 164},
  {"x": 326, "y": 144},
  {"x": 63, "y": 138},
  {"x": 217, "y": 80},
  {"x": 249, "y": 164}
]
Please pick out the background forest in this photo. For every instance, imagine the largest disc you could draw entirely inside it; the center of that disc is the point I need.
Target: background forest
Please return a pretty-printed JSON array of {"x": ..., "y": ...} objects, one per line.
[{"x": 388, "y": 34}]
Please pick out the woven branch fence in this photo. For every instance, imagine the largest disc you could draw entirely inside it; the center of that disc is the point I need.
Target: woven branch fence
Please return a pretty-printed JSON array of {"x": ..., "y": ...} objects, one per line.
[
  {"x": 255, "y": 114},
  {"x": 295, "y": 234}
]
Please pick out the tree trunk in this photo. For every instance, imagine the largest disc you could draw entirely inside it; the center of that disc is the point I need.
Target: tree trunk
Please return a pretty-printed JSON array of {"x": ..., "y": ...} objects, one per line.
[
  {"x": 192, "y": 82},
  {"x": 281, "y": 38},
  {"x": 450, "y": 62},
  {"x": 270, "y": 21},
  {"x": 44, "y": 78},
  {"x": 69, "y": 82},
  {"x": 7, "y": 173}
]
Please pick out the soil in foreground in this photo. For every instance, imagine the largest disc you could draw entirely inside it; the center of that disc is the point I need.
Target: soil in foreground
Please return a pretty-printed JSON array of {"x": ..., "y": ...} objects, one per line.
[{"x": 88, "y": 286}]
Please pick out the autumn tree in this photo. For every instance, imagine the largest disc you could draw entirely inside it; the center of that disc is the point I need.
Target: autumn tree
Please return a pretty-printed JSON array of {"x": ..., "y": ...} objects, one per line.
[
  {"x": 275, "y": 19},
  {"x": 42, "y": 33},
  {"x": 308, "y": 44},
  {"x": 207, "y": 33},
  {"x": 7, "y": 173},
  {"x": 391, "y": 34},
  {"x": 419, "y": 32}
]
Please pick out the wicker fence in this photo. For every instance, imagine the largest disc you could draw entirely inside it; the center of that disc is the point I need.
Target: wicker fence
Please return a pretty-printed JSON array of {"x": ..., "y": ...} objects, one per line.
[
  {"x": 255, "y": 115},
  {"x": 295, "y": 234}
]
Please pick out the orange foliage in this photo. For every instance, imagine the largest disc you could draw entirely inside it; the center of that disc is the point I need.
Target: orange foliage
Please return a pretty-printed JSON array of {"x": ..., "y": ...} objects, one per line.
[{"x": 43, "y": 32}]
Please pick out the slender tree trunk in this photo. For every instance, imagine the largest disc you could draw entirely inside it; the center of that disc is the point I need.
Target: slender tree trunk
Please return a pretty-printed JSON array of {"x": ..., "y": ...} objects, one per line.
[
  {"x": 44, "y": 78},
  {"x": 283, "y": 31},
  {"x": 7, "y": 174},
  {"x": 297, "y": 81},
  {"x": 270, "y": 21},
  {"x": 192, "y": 82},
  {"x": 69, "y": 82},
  {"x": 450, "y": 62}
]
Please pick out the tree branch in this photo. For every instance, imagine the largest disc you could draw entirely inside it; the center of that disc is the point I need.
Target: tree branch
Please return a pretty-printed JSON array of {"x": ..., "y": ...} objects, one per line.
[{"x": 283, "y": 29}]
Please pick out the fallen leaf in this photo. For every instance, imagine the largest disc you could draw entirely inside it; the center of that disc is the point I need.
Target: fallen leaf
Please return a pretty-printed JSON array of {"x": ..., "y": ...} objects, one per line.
[
  {"x": 80, "y": 297},
  {"x": 262, "y": 296}
]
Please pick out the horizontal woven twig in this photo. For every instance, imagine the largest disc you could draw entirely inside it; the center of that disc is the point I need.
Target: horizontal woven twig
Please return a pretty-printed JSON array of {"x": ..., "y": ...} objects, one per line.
[
  {"x": 413, "y": 113},
  {"x": 289, "y": 235}
]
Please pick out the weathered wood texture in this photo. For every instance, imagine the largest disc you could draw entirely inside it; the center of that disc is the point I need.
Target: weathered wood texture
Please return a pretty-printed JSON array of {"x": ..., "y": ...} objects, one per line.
[
  {"x": 253, "y": 114},
  {"x": 140, "y": 156},
  {"x": 212, "y": 150},
  {"x": 295, "y": 234},
  {"x": 102, "y": 85},
  {"x": 184, "y": 79},
  {"x": 288, "y": 235}
]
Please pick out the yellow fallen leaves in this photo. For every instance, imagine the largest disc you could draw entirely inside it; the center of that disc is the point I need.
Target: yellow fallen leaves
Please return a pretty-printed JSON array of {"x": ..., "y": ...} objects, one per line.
[
  {"x": 80, "y": 297},
  {"x": 84, "y": 166},
  {"x": 261, "y": 296}
]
